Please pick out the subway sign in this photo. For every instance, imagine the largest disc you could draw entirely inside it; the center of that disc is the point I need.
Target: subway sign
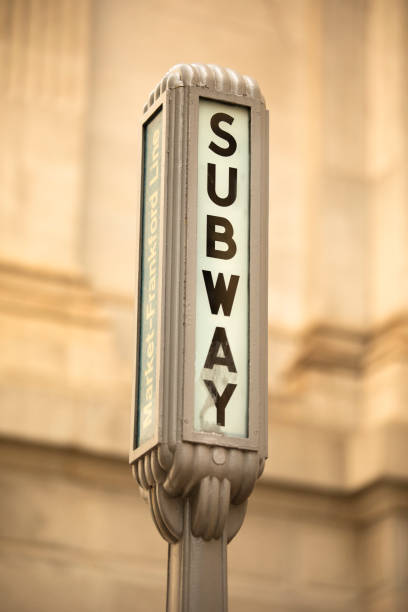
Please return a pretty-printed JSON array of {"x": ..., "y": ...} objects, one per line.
[{"x": 201, "y": 342}]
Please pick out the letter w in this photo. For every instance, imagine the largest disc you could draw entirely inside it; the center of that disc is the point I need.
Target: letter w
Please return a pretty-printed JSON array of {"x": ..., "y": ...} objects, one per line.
[{"x": 220, "y": 295}]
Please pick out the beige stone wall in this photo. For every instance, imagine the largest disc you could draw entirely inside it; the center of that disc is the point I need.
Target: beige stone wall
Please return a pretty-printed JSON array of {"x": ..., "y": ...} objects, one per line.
[
  {"x": 73, "y": 527},
  {"x": 73, "y": 79}
]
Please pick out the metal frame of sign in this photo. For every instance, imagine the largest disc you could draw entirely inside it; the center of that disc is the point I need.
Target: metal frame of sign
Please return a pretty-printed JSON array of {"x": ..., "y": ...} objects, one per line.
[
  {"x": 175, "y": 366},
  {"x": 257, "y": 349}
]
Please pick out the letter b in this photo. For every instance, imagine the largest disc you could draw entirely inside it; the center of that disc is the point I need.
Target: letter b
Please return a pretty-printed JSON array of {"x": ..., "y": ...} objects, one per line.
[{"x": 214, "y": 236}]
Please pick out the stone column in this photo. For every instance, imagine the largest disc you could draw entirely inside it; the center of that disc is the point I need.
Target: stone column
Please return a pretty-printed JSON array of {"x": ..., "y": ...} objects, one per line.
[
  {"x": 43, "y": 102},
  {"x": 60, "y": 377},
  {"x": 385, "y": 364},
  {"x": 349, "y": 370}
]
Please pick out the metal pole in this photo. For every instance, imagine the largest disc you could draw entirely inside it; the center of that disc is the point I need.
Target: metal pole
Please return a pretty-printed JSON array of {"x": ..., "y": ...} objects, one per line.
[
  {"x": 197, "y": 572},
  {"x": 199, "y": 437}
]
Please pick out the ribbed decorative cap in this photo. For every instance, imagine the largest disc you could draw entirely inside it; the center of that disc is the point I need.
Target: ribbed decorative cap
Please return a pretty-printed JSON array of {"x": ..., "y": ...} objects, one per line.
[{"x": 215, "y": 78}]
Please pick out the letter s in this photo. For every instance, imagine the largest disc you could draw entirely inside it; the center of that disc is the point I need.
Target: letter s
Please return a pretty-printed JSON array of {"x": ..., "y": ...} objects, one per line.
[{"x": 215, "y": 126}]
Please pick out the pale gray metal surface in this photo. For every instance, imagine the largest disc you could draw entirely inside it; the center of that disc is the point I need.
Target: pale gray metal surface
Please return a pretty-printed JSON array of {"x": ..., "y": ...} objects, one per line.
[
  {"x": 197, "y": 573},
  {"x": 198, "y": 483}
]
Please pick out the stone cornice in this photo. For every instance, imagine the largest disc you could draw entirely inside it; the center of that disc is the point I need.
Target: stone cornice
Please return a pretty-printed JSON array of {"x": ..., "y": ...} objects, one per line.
[
  {"x": 328, "y": 347},
  {"x": 387, "y": 342},
  {"x": 363, "y": 504},
  {"x": 344, "y": 463},
  {"x": 51, "y": 296}
]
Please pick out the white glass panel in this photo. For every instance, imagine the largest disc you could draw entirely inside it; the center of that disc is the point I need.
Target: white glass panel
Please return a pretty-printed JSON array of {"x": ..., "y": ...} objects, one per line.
[{"x": 223, "y": 212}]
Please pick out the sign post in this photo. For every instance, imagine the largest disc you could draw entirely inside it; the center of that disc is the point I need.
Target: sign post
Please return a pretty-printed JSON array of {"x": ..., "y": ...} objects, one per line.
[{"x": 200, "y": 412}]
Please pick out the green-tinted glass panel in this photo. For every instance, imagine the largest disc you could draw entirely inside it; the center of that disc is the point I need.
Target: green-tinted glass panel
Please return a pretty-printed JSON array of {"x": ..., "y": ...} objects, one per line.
[{"x": 148, "y": 349}]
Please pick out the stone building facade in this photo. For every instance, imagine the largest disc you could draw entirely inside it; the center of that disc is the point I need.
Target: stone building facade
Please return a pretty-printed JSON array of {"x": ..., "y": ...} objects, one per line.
[{"x": 327, "y": 526}]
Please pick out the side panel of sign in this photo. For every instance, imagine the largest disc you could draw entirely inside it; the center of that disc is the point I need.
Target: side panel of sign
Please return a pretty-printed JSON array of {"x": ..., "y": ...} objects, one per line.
[
  {"x": 148, "y": 350},
  {"x": 222, "y": 272}
]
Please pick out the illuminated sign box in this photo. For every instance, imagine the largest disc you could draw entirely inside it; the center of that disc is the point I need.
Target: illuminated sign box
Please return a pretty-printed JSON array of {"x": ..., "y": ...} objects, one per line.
[{"x": 201, "y": 366}]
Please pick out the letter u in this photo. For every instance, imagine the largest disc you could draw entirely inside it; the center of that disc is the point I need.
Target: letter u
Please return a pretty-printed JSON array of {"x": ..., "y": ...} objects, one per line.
[{"x": 232, "y": 186}]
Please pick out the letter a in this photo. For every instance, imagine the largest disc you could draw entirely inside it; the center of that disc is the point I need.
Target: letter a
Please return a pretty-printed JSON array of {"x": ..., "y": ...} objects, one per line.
[{"x": 220, "y": 340}]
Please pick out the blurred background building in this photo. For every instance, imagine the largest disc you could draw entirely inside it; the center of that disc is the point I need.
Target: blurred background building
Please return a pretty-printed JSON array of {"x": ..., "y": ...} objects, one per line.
[{"x": 327, "y": 526}]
